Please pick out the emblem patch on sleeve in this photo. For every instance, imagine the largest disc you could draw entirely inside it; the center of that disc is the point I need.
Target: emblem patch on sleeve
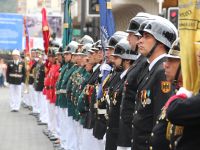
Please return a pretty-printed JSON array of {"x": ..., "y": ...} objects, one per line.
[{"x": 165, "y": 86}]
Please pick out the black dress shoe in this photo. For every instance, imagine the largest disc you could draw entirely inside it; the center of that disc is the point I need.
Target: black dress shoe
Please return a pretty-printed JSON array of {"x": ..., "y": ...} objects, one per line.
[
  {"x": 53, "y": 138},
  {"x": 42, "y": 123}
]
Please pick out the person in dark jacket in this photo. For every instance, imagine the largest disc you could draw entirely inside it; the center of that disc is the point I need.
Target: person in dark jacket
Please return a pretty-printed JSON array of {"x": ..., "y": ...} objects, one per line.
[
  {"x": 15, "y": 75},
  {"x": 153, "y": 88},
  {"x": 183, "y": 110},
  {"x": 130, "y": 85},
  {"x": 165, "y": 134},
  {"x": 123, "y": 59}
]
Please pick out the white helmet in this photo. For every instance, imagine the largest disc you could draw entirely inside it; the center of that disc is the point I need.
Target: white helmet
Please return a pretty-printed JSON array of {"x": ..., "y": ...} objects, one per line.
[{"x": 16, "y": 52}]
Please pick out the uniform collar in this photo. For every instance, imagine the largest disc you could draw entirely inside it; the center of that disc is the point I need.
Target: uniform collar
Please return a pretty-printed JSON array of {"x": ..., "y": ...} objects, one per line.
[
  {"x": 123, "y": 74},
  {"x": 155, "y": 61}
]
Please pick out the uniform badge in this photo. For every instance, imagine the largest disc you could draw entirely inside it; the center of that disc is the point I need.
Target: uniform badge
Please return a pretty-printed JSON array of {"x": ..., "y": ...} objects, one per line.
[
  {"x": 165, "y": 86},
  {"x": 145, "y": 97}
]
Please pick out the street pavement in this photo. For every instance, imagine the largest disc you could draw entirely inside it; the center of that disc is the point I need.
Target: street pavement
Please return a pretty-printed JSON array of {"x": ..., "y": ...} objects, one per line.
[{"x": 18, "y": 130}]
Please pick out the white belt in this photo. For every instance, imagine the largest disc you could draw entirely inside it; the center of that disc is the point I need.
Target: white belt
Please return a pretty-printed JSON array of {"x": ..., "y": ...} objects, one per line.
[
  {"x": 95, "y": 105},
  {"x": 15, "y": 75},
  {"x": 101, "y": 111},
  {"x": 58, "y": 92},
  {"x": 62, "y": 91}
]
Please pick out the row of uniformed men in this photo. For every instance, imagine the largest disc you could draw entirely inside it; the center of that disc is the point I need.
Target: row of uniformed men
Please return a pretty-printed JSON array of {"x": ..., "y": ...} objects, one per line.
[{"x": 116, "y": 103}]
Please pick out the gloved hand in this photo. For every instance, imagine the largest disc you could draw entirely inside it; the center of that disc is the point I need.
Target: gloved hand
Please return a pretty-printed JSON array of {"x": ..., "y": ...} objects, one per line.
[{"x": 183, "y": 90}]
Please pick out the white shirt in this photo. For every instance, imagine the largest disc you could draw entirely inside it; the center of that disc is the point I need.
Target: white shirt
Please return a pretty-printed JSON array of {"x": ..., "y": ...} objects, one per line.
[
  {"x": 155, "y": 61},
  {"x": 123, "y": 74},
  {"x": 95, "y": 67}
]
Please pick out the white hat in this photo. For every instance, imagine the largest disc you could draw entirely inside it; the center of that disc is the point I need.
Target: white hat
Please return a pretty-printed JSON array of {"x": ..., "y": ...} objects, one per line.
[{"x": 16, "y": 52}]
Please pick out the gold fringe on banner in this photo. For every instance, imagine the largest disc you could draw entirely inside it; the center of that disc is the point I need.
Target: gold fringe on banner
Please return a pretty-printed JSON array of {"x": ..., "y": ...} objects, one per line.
[{"x": 109, "y": 5}]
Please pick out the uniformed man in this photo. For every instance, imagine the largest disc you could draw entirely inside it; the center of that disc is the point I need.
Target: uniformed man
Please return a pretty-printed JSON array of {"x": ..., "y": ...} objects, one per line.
[
  {"x": 15, "y": 75},
  {"x": 108, "y": 75},
  {"x": 30, "y": 79},
  {"x": 130, "y": 84},
  {"x": 39, "y": 85},
  {"x": 164, "y": 134},
  {"x": 178, "y": 114},
  {"x": 61, "y": 93},
  {"x": 123, "y": 59},
  {"x": 157, "y": 38},
  {"x": 72, "y": 98}
]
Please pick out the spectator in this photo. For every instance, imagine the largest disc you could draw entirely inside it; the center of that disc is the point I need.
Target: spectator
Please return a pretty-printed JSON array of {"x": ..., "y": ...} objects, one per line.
[{"x": 2, "y": 72}]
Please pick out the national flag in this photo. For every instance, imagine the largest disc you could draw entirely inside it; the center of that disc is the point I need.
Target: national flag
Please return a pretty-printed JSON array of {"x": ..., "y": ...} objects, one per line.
[{"x": 107, "y": 26}]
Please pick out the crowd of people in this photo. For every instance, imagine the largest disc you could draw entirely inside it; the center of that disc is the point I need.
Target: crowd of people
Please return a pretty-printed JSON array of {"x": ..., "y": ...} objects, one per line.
[{"x": 125, "y": 96}]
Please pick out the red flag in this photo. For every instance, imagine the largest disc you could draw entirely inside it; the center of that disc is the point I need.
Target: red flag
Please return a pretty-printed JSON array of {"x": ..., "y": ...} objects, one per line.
[
  {"x": 26, "y": 51},
  {"x": 45, "y": 30}
]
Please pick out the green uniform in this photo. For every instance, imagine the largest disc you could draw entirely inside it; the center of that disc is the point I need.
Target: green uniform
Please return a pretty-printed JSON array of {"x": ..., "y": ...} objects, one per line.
[
  {"x": 63, "y": 92},
  {"x": 72, "y": 80},
  {"x": 80, "y": 108},
  {"x": 63, "y": 70}
]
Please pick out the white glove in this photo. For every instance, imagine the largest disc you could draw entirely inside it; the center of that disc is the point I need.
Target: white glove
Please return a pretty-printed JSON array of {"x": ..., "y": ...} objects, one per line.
[
  {"x": 182, "y": 90},
  {"x": 104, "y": 138}
]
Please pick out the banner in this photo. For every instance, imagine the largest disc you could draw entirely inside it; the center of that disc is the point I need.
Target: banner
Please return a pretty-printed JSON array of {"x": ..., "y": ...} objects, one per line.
[
  {"x": 106, "y": 21},
  {"x": 189, "y": 29},
  {"x": 26, "y": 34},
  {"x": 11, "y": 29},
  {"x": 45, "y": 30}
]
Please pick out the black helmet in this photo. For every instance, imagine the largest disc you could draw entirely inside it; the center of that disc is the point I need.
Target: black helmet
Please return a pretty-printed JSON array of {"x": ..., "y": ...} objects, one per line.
[
  {"x": 160, "y": 30},
  {"x": 174, "y": 52},
  {"x": 136, "y": 21},
  {"x": 123, "y": 50},
  {"x": 71, "y": 47},
  {"x": 86, "y": 39},
  {"x": 115, "y": 38}
]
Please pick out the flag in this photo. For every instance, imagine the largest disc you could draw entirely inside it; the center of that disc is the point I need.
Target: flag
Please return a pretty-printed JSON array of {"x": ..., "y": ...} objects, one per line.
[
  {"x": 67, "y": 32},
  {"x": 189, "y": 30},
  {"x": 107, "y": 27},
  {"x": 45, "y": 30},
  {"x": 26, "y": 33}
]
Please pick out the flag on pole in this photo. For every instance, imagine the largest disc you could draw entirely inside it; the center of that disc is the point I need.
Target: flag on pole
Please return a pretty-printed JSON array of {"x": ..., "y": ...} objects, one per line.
[
  {"x": 26, "y": 33},
  {"x": 189, "y": 33},
  {"x": 45, "y": 30},
  {"x": 107, "y": 26},
  {"x": 67, "y": 32}
]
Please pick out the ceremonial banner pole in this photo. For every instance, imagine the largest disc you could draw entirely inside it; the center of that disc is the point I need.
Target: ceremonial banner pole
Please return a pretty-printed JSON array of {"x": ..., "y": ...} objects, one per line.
[{"x": 67, "y": 31}]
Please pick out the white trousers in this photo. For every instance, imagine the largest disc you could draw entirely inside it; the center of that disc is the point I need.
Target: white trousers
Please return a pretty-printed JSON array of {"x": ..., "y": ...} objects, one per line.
[
  {"x": 71, "y": 139},
  {"x": 15, "y": 92},
  {"x": 123, "y": 148},
  {"x": 44, "y": 109},
  {"x": 64, "y": 127},
  {"x": 58, "y": 113},
  {"x": 37, "y": 101},
  {"x": 52, "y": 119},
  {"x": 32, "y": 98}
]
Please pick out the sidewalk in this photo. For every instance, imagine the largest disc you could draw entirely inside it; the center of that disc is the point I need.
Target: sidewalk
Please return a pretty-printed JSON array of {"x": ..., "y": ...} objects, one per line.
[{"x": 18, "y": 130}]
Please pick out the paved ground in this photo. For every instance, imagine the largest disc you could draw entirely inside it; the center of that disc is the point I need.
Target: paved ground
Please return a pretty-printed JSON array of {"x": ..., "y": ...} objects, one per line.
[{"x": 19, "y": 131}]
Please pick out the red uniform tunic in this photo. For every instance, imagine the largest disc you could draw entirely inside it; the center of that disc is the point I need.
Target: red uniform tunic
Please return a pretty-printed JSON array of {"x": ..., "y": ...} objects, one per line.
[{"x": 54, "y": 74}]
